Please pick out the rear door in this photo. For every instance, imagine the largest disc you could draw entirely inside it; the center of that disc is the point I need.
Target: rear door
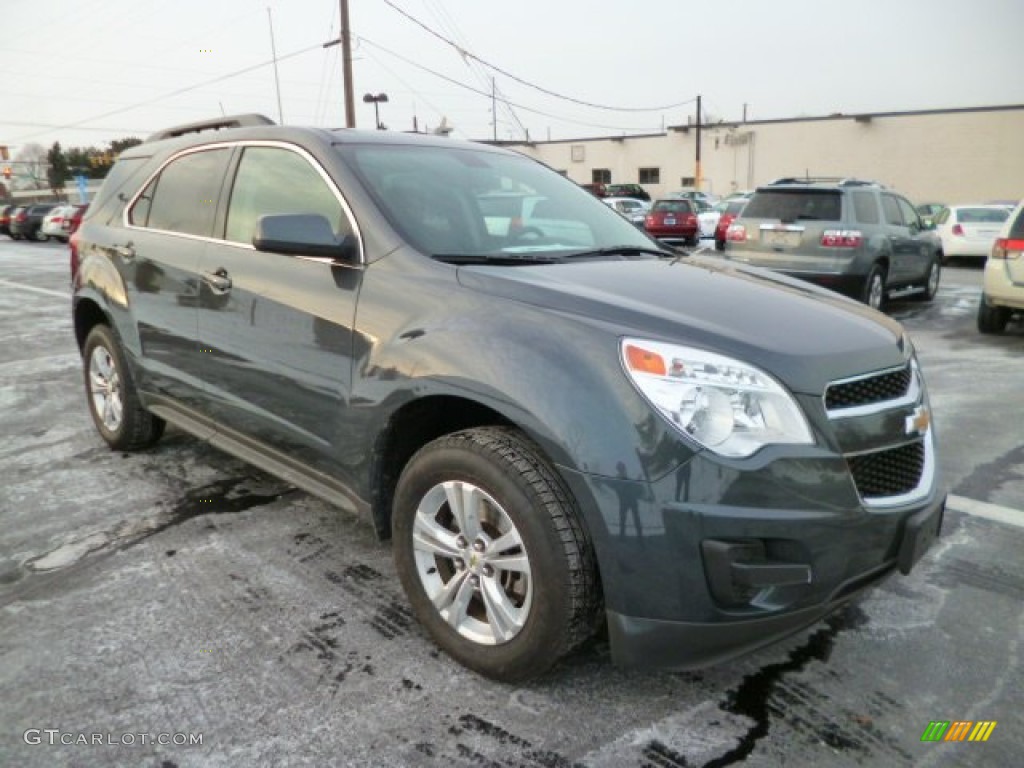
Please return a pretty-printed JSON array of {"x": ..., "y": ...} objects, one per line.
[{"x": 169, "y": 224}]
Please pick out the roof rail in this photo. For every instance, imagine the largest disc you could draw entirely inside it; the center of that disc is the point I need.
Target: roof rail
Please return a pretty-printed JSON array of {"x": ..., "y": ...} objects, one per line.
[
  {"x": 842, "y": 181},
  {"x": 216, "y": 124}
]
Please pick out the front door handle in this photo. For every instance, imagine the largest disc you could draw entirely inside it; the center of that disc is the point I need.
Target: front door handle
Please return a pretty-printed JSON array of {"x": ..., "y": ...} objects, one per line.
[{"x": 218, "y": 280}]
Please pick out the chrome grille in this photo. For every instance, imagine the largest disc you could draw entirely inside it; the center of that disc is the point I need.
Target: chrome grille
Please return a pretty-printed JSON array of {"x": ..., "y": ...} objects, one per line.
[
  {"x": 891, "y": 472},
  {"x": 889, "y": 385}
]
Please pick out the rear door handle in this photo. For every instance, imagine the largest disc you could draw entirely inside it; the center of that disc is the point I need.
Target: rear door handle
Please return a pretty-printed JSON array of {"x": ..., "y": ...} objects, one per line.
[{"x": 218, "y": 280}]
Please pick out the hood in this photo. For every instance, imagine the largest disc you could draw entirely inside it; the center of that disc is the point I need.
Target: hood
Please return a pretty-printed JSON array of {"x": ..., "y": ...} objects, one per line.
[{"x": 804, "y": 335}]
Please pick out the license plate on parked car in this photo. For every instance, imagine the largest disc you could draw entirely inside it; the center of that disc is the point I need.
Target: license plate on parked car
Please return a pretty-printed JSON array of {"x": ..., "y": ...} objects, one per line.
[
  {"x": 670, "y": 221},
  {"x": 780, "y": 238}
]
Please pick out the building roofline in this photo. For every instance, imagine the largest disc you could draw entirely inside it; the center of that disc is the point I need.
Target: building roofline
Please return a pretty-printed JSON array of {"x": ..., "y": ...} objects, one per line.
[
  {"x": 858, "y": 116},
  {"x": 862, "y": 117}
]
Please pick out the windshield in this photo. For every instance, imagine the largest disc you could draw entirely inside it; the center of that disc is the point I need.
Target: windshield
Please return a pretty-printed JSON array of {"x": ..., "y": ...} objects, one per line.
[{"x": 479, "y": 203}]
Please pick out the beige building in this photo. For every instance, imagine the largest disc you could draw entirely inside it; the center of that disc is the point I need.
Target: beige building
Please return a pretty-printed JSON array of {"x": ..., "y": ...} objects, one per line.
[{"x": 950, "y": 155}]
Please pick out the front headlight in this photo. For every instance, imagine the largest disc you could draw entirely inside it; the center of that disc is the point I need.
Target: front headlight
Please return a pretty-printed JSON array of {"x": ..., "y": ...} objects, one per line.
[{"x": 728, "y": 406}]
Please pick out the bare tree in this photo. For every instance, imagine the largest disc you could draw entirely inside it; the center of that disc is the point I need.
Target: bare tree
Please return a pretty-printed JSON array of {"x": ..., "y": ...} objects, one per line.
[{"x": 29, "y": 168}]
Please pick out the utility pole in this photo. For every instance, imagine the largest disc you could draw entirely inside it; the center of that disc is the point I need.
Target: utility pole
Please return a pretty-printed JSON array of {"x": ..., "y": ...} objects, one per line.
[
  {"x": 346, "y": 65},
  {"x": 697, "y": 178},
  {"x": 494, "y": 109}
]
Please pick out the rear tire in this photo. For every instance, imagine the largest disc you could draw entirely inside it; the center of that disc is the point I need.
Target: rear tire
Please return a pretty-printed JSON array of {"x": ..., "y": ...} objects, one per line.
[
  {"x": 992, "y": 319},
  {"x": 489, "y": 547},
  {"x": 873, "y": 293},
  {"x": 113, "y": 400}
]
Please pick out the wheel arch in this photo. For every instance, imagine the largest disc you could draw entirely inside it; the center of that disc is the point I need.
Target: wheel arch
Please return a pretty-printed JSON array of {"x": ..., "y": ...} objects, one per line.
[
  {"x": 87, "y": 315},
  {"x": 409, "y": 428}
]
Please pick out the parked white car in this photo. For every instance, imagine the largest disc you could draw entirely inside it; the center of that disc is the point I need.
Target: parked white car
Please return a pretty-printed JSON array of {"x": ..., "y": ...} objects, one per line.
[
  {"x": 630, "y": 207},
  {"x": 53, "y": 222},
  {"x": 969, "y": 230},
  {"x": 1003, "y": 292},
  {"x": 708, "y": 219}
]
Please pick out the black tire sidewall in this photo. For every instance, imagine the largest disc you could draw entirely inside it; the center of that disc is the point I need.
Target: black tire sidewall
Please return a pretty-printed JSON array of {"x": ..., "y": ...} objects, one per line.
[
  {"x": 542, "y": 639},
  {"x": 878, "y": 272}
]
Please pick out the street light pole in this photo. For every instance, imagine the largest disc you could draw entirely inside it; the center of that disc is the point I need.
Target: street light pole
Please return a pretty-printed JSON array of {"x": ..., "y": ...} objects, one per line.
[{"x": 369, "y": 98}]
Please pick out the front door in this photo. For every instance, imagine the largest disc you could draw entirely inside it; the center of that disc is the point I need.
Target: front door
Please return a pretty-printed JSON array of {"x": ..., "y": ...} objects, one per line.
[{"x": 276, "y": 330}]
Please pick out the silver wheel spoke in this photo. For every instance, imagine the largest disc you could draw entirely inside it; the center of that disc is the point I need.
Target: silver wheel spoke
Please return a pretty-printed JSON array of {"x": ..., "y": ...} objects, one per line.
[
  {"x": 97, "y": 383},
  {"x": 430, "y": 536},
  {"x": 502, "y": 616},
  {"x": 464, "y": 502},
  {"x": 453, "y": 599},
  {"x": 107, "y": 419},
  {"x": 508, "y": 540},
  {"x": 517, "y": 563}
]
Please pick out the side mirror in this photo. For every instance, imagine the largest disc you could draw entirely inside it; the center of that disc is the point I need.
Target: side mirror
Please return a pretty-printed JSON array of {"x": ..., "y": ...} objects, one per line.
[{"x": 302, "y": 234}]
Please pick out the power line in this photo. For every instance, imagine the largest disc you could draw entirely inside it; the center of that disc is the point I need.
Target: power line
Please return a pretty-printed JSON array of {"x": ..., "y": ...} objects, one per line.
[
  {"x": 468, "y": 54},
  {"x": 171, "y": 94},
  {"x": 487, "y": 94}
]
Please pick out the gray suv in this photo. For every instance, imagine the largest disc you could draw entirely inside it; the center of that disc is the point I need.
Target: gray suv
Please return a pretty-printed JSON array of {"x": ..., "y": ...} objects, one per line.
[
  {"x": 851, "y": 236},
  {"x": 560, "y": 424}
]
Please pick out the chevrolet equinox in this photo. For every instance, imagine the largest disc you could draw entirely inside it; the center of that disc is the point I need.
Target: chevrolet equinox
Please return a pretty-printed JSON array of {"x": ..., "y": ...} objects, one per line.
[{"x": 560, "y": 424}]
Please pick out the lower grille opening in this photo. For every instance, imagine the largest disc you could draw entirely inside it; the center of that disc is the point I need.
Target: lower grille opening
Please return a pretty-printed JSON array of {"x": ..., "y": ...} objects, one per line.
[{"x": 891, "y": 472}]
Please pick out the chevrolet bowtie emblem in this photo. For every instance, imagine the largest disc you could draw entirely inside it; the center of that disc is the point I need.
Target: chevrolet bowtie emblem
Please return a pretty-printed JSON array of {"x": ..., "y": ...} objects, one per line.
[{"x": 919, "y": 421}]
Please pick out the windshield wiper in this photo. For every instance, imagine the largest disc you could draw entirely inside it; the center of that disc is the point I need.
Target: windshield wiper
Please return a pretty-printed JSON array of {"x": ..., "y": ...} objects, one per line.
[{"x": 620, "y": 250}]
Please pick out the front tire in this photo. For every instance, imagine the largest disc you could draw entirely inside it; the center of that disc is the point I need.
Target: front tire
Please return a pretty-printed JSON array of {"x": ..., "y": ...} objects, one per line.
[
  {"x": 932, "y": 280},
  {"x": 992, "y": 319},
  {"x": 113, "y": 401},
  {"x": 490, "y": 550}
]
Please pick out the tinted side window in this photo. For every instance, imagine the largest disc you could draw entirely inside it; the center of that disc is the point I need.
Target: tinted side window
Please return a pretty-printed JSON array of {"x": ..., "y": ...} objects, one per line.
[
  {"x": 943, "y": 216},
  {"x": 271, "y": 180},
  {"x": 183, "y": 198},
  {"x": 892, "y": 211},
  {"x": 910, "y": 217},
  {"x": 865, "y": 207}
]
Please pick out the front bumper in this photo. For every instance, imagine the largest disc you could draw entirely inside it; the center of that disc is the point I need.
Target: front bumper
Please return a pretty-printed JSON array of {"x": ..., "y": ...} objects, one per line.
[
  {"x": 644, "y": 642},
  {"x": 706, "y": 563}
]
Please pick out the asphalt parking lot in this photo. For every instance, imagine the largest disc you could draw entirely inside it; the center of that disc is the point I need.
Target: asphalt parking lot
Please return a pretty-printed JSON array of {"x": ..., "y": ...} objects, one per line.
[{"x": 153, "y": 600}]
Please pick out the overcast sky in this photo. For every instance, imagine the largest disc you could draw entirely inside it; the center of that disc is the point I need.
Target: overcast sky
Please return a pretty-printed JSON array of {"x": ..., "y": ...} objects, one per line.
[{"x": 87, "y": 71}]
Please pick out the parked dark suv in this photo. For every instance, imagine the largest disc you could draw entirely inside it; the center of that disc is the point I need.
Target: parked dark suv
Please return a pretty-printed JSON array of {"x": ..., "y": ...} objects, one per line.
[
  {"x": 852, "y": 236},
  {"x": 27, "y": 222},
  {"x": 560, "y": 424}
]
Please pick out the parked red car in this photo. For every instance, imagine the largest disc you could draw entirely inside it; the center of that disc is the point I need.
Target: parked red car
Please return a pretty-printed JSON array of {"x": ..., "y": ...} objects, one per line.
[
  {"x": 732, "y": 210},
  {"x": 673, "y": 220}
]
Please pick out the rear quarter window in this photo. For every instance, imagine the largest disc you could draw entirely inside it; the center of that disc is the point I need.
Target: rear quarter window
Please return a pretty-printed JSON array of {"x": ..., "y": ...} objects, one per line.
[
  {"x": 1017, "y": 228},
  {"x": 865, "y": 207}
]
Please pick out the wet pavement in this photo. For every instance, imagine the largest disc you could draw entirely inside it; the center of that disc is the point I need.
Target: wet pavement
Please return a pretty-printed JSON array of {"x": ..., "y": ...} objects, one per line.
[{"x": 178, "y": 593}]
